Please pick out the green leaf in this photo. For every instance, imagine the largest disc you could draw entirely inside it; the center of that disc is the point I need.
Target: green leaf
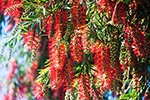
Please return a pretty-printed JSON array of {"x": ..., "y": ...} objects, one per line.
[
  {"x": 18, "y": 38},
  {"x": 27, "y": 19},
  {"x": 33, "y": 25},
  {"x": 126, "y": 1},
  {"x": 38, "y": 29}
]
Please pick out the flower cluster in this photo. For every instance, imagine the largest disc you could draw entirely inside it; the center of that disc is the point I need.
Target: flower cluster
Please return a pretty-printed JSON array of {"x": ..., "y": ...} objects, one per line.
[
  {"x": 107, "y": 6},
  {"x": 84, "y": 87},
  {"x": 120, "y": 14},
  {"x": 76, "y": 47},
  {"x": 31, "y": 71},
  {"x": 13, "y": 68},
  {"x": 69, "y": 75},
  {"x": 38, "y": 91},
  {"x": 9, "y": 96},
  {"x": 82, "y": 14},
  {"x": 57, "y": 27},
  {"x": 57, "y": 49},
  {"x": 57, "y": 62},
  {"x": 98, "y": 58},
  {"x": 30, "y": 40},
  {"x": 104, "y": 71},
  {"x": 138, "y": 40},
  {"x": 12, "y": 8},
  {"x": 84, "y": 52},
  {"x": 64, "y": 15},
  {"x": 48, "y": 25},
  {"x": 116, "y": 10},
  {"x": 109, "y": 70},
  {"x": 54, "y": 53},
  {"x": 75, "y": 14}
]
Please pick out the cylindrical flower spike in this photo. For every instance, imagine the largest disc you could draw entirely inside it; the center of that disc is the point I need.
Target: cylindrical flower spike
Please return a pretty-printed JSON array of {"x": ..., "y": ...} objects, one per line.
[
  {"x": 84, "y": 87},
  {"x": 76, "y": 51}
]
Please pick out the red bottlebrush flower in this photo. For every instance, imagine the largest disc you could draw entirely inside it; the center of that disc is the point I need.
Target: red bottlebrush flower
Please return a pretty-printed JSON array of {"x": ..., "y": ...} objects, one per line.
[
  {"x": 31, "y": 71},
  {"x": 84, "y": 87},
  {"x": 123, "y": 66},
  {"x": 104, "y": 72},
  {"x": 13, "y": 67},
  {"x": 16, "y": 13},
  {"x": 82, "y": 14},
  {"x": 6, "y": 97},
  {"x": 75, "y": 47},
  {"x": 75, "y": 14},
  {"x": 57, "y": 54},
  {"x": 38, "y": 91},
  {"x": 102, "y": 4},
  {"x": 34, "y": 65},
  {"x": 53, "y": 78},
  {"x": 110, "y": 5},
  {"x": 94, "y": 94},
  {"x": 98, "y": 64},
  {"x": 57, "y": 28},
  {"x": 133, "y": 4},
  {"x": 135, "y": 48},
  {"x": 9, "y": 96},
  {"x": 13, "y": 8},
  {"x": 69, "y": 75},
  {"x": 59, "y": 93},
  {"x": 53, "y": 53},
  {"x": 128, "y": 36},
  {"x": 62, "y": 55},
  {"x": 32, "y": 41},
  {"x": 48, "y": 25},
  {"x": 56, "y": 78},
  {"x": 120, "y": 14},
  {"x": 94, "y": 47},
  {"x": 138, "y": 40},
  {"x": 64, "y": 19},
  {"x": 22, "y": 90},
  {"x": 114, "y": 9},
  {"x": 79, "y": 14},
  {"x": 84, "y": 38},
  {"x": 107, "y": 6},
  {"x": 1, "y": 6},
  {"x": 98, "y": 58},
  {"x": 10, "y": 5},
  {"x": 110, "y": 72}
]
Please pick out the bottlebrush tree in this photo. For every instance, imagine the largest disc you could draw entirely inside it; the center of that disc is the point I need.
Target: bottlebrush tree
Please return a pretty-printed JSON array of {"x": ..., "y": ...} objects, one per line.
[{"x": 76, "y": 49}]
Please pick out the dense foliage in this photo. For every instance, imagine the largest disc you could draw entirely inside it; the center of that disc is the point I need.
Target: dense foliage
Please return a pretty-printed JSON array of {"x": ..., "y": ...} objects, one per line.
[{"x": 75, "y": 49}]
